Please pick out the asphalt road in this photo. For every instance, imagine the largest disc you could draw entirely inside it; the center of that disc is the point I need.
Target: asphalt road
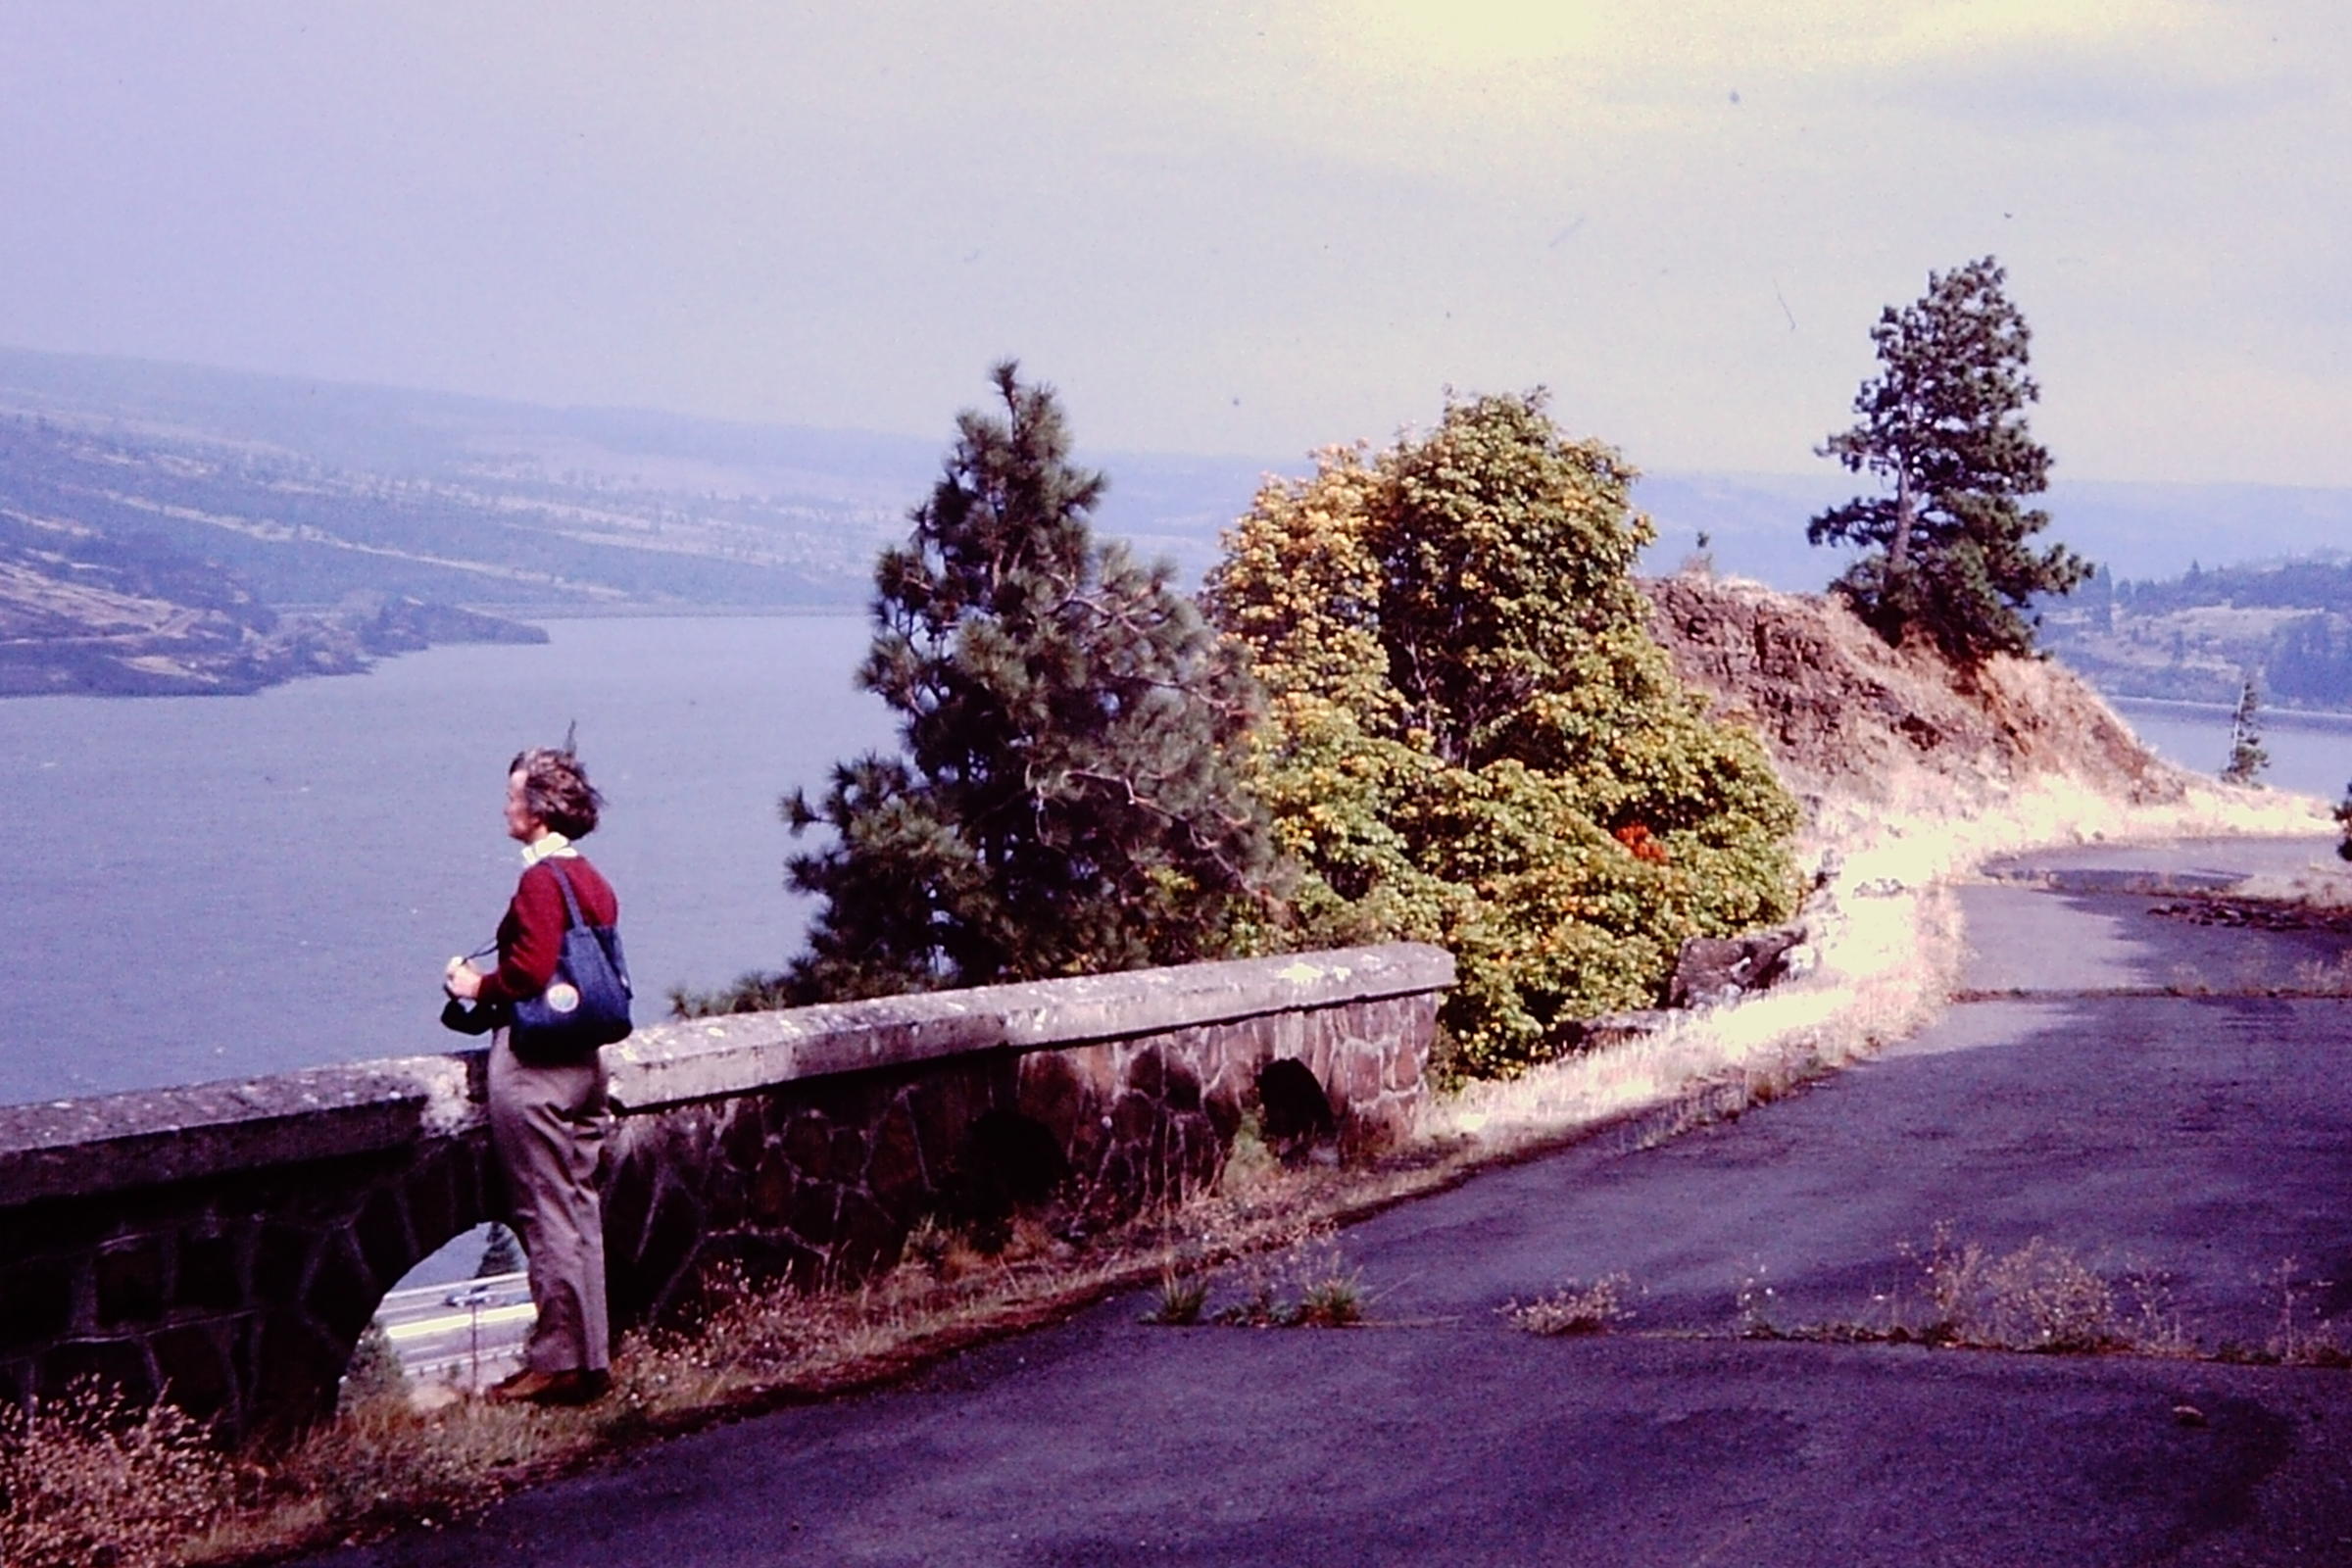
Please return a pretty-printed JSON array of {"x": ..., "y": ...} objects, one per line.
[{"x": 2200, "y": 1144}]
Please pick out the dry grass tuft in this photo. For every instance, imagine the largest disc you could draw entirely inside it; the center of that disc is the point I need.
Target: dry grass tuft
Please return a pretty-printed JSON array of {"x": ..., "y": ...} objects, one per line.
[
  {"x": 2296, "y": 1342},
  {"x": 2039, "y": 1298},
  {"x": 90, "y": 1481},
  {"x": 1305, "y": 1284},
  {"x": 1574, "y": 1309}
]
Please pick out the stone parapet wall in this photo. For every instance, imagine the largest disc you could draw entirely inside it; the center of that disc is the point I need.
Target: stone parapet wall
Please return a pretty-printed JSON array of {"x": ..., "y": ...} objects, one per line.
[{"x": 226, "y": 1244}]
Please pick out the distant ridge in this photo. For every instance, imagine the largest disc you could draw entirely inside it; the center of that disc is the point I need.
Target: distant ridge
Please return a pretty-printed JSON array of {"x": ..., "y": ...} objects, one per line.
[{"x": 329, "y": 488}]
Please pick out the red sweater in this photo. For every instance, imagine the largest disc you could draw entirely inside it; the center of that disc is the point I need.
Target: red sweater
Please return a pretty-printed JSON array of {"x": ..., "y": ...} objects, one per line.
[{"x": 530, "y": 939}]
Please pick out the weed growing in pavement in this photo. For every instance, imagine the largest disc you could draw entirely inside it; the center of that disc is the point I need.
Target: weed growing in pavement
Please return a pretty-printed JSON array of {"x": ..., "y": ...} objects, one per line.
[
  {"x": 2294, "y": 1342},
  {"x": 1334, "y": 1302},
  {"x": 2038, "y": 1297},
  {"x": 1307, "y": 1285},
  {"x": 1573, "y": 1308},
  {"x": 2326, "y": 979},
  {"x": 1180, "y": 1299},
  {"x": 1754, "y": 1300}
]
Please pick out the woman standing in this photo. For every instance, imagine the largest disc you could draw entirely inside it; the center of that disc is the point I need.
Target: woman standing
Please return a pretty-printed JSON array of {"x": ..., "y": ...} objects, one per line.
[{"x": 548, "y": 1117}]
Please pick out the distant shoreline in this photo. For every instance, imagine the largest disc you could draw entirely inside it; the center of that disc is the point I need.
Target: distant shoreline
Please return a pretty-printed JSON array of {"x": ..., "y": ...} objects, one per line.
[
  {"x": 2274, "y": 716},
  {"x": 537, "y": 613}
]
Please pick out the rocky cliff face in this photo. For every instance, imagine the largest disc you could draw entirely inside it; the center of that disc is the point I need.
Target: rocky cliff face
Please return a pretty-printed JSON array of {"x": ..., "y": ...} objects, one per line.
[{"x": 1843, "y": 714}]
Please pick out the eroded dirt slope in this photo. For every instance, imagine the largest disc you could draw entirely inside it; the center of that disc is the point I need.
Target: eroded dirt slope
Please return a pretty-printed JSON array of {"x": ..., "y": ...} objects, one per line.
[{"x": 1847, "y": 716}]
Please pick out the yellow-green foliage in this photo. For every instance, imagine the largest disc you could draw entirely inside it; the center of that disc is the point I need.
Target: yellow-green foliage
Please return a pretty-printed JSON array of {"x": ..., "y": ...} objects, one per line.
[{"x": 1472, "y": 738}]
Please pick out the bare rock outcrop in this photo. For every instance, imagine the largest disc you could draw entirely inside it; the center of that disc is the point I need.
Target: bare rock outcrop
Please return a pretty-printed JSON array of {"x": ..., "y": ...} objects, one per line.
[{"x": 1845, "y": 714}]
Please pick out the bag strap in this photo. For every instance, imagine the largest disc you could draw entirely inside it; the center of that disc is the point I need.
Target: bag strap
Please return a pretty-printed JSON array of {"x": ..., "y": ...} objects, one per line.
[{"x": 571, "y": 906}]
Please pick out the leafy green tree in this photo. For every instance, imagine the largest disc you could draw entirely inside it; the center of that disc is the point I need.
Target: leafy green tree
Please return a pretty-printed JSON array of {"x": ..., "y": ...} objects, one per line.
[
  {"x": 1068, "y": 799},
  {"x": 1473, "y": 740},
  {"x": 1943, "y": 425}
]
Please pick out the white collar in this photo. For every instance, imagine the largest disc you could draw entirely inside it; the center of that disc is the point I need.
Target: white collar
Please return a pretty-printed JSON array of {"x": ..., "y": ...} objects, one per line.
[{"x": 546, "y": 845}]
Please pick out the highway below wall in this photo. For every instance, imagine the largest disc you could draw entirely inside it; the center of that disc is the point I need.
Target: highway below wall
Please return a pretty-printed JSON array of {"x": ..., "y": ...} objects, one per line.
[
  {"x": 463, "y": 1335},
  {"x": 2193, "y": 1150}
]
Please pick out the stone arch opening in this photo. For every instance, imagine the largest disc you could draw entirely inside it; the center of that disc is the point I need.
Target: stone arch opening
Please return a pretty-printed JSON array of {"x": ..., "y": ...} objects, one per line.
[{"x": 1293, "y": 1111}]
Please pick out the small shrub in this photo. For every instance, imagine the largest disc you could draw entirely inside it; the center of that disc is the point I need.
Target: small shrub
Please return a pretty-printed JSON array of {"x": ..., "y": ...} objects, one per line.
[
  {"x": 89, "y": 1480},
  {"x": 1573, "y": 1308}
]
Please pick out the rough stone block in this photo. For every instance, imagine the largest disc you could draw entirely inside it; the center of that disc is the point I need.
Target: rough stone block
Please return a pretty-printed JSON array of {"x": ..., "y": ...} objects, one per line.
[
  {"x": 808, "y": 1145},
  {"x": 673, "y": 1233},
  {"x": 291, "y": 1372},
  {"x": 811, "y": 1215},
  {"x": 382, "y": 1233},
  {"x": 36, "y": 1302},
  {"x": 895, "y": 1173},
  {"x": 1054, "y": 1094},
  {"x": 120, "y": 1365},
  {"x": 768, "y": 1202},
  {"x": 282, "y": 1262},
  {"x": 344, "y": 1290},
  {"x": 129, "y": 1280},
  {"x": 192, "y": 1364},
  {"x": 628, "y": 1204},
  {"x": 430, "y": 1191},
  {"x": 744, "y": 1141}
]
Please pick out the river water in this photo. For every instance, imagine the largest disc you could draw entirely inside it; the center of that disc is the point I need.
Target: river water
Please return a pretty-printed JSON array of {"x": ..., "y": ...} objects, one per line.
[
  {"x": 2310, "y": 753},
  {"x": 195, "y": 888},
  {"x": 199, "y": 888}
]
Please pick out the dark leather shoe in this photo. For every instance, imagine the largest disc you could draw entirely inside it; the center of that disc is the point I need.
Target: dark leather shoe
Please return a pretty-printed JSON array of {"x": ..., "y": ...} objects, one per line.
[{"x": 578, "y": 1386}]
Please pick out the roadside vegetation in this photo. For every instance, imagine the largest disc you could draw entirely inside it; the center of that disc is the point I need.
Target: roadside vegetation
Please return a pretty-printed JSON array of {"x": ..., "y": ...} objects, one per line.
[
  {"x": 1442, "y": 709},
  {"x": 1474, "y": 738}
]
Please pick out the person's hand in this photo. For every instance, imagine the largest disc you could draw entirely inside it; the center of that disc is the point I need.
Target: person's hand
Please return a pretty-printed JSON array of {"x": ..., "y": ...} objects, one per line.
[{"x": 460, "y": 980}]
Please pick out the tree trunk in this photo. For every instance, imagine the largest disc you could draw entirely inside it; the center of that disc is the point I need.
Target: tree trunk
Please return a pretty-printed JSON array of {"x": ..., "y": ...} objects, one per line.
[{"x": 1898, "y": 547}]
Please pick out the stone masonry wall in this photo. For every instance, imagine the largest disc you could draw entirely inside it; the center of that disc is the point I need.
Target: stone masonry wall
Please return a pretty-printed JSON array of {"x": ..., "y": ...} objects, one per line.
[{"x": 224, "y": 1246}]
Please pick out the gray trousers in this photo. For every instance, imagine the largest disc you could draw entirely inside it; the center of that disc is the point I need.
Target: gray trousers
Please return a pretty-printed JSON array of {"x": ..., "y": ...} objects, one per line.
[{"x": 547, "y": 1125}]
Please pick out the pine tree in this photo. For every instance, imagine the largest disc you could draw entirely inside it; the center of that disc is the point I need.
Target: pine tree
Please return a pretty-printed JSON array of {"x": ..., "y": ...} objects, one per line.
[
  {"x": 1066, "y": 800},
  {"x": 1943, "y": 425},
  {"x": 500, "y": 1254},
  {"x": 2247, "y": 758}
]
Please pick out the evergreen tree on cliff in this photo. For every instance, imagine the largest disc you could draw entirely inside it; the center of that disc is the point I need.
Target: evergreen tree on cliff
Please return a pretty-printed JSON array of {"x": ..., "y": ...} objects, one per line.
[
  {"x": 1067, "y": 799},
  {"x": 1943, "y": 425}
]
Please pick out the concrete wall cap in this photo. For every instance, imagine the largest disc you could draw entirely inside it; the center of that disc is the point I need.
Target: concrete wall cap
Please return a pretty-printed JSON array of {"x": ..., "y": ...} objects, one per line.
[{"x": 77, "y": 1148}]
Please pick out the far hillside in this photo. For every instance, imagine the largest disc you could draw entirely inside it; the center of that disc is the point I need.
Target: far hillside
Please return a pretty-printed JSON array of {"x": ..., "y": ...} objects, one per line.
[
  {"x": 155, "y": 521},
  {"x": 2200, "y": 635}
]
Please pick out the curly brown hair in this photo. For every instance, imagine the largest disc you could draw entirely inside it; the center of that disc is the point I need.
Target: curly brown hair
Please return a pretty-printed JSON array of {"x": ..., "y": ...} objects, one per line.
[{"x": 556, "y": 789}]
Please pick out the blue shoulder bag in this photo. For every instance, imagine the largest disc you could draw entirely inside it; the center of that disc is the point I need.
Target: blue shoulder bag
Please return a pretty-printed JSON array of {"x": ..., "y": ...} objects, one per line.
[{"x": 586, "y": 1005}]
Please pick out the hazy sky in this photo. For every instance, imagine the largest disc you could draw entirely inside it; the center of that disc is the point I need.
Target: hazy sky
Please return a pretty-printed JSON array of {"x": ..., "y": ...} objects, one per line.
[{"x": 1216, "y": 227}]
